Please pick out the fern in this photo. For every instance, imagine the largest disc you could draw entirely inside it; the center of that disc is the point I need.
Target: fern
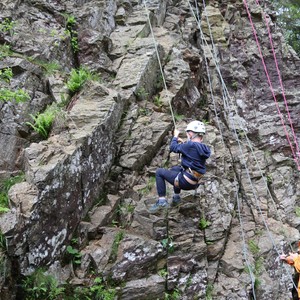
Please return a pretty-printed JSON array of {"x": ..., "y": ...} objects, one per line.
[
  {"x": 77, "y": 79},
  {"x": 43, "y": 122}
]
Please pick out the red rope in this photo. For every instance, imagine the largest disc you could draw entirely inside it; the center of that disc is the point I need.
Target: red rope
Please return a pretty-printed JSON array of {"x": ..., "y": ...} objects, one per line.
[
  {"x": 280, "y": 80},
  {"x": 271, "y": 87}
]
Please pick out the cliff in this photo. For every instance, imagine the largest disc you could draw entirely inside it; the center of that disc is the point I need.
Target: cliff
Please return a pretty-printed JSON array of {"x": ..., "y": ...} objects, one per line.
[{"x": 82, "y": 210}]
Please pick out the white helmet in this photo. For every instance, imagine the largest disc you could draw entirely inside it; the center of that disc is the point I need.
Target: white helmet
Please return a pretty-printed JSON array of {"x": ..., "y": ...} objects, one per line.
[{"x": 196, "y": 126}]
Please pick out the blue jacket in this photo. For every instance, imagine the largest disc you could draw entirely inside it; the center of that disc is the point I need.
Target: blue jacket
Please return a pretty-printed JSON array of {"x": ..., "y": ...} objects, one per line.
[{"x": 194, "y": 154}]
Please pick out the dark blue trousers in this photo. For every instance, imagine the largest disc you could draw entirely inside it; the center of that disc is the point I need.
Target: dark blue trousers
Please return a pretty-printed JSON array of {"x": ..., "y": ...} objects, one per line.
[{"x": 163, "y": 175}]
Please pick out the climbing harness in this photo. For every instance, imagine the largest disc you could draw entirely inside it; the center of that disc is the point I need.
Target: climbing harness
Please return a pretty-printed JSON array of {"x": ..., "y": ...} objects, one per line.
[{"x": 195, "y": 174}]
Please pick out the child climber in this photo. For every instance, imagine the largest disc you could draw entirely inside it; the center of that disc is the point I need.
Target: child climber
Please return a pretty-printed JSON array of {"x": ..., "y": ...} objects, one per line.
[{"x": 187, "y": 176}]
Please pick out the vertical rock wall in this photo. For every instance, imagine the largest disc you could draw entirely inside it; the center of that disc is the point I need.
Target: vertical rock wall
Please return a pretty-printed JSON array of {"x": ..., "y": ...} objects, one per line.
[{"x": 117, "y": 132}]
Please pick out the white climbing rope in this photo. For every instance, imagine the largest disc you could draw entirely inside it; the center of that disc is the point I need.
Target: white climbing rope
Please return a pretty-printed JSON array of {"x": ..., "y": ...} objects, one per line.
[
  {"x": 226, "y": 96},
  {"x": 159, "y": 62}
]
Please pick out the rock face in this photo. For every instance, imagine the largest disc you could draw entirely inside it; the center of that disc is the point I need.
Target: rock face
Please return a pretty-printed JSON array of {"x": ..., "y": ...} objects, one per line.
[{"x": 91, "y": 181}]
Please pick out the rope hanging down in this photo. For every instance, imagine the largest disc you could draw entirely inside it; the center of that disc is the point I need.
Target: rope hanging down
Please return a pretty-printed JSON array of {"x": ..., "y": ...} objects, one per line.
[
  {"x": 226, "y": 105},
  {"x": 243, "y": 160},
  {"x": 280, "y": 80},
  {"x": 159, "y": 62},
  {"x": 297, "y": 153}
]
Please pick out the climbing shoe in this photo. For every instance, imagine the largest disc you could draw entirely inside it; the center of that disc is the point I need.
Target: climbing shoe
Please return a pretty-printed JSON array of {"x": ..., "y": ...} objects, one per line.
[
  {"x": 160, "y": 204},
  {"x": 176, "y": 200}
]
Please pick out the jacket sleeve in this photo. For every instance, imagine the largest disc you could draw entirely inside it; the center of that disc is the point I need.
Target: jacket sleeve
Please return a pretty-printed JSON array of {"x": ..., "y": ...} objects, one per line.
[
  {"x": 297, "y": 263},
  {"x": 174, "y": 146}
]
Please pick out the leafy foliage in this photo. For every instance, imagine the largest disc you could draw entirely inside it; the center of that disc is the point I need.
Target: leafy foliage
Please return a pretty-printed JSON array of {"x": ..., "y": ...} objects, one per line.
[
  {"x": 77, "y": 79},
  {"x": 117, "y": 240},
  {"x": 43, "y": 121},
  {"x": 288, "y": 12},
  {"x": 4, "y": 51},
  {"x": 203, "y": 223},
  {"x": 4, "y": 188},
  {"x": 7, "y": 25},
  {"x": 8, "y": 95},
  {"x": 98, "y": 291},
  {"x": 76, "y": 255},
  {"x": 70, "y": 25},
  {"x": 6, "y": 74},
  {"x": 41, "y": 286}
]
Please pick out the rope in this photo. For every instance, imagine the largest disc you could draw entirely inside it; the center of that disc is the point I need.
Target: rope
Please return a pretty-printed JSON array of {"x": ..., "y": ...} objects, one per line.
[
  {"x": 209, "y": 81},
  {"x": 159, "y": 62},
  {"x": 225, "y": 91},
  {"x": 270, "y": 85},
  {"x": 280, "y": 79},
  {"x": 226, "y": 96},
  {"x": 245, "y": 250}
]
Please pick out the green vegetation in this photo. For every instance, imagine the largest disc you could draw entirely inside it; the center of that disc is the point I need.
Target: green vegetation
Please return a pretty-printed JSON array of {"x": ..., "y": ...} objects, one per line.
[
  {"x": 168, "y": 244},
  {"x": 98, "y": 291},
  {"x": 41, "y": 286},
  {"x": 234, "y": 85},
  {"x": 255, "y": 269},
  {"x": 114, "y": 251},
  {"x": 6, "y": 75},
  {"x": 8, "y": 95},
  {"x": 49, "y": 67},
  {"x": 7, "y": 26},
  {"x": 78, "y": 77},
  {"x": 269, "y": 178},
  {"x": 288, "y": 15},
  {"x": 150, "y": 184},
  {"x": 297, "y": 211},
  {"x": 75, "y": 254},
  {"x": 203, "y": 223},
  {"x": 254, "y": 249},
  {"x": 209, "y": 291},
  {"x": 178, "y": 118},
  {"x": 2, "y": 241},
  {"x": 163, "y": 273},
  {"x": 71, "y": 31},
  {"x": 157, "y": 101},
  {"x": 4, "y": 188},
  {"x": 142, "y": 94},
  {"x": 43, "y": 121},
  {"x": 4, "y": 51},
  {"x": 175, "y": 295}
]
